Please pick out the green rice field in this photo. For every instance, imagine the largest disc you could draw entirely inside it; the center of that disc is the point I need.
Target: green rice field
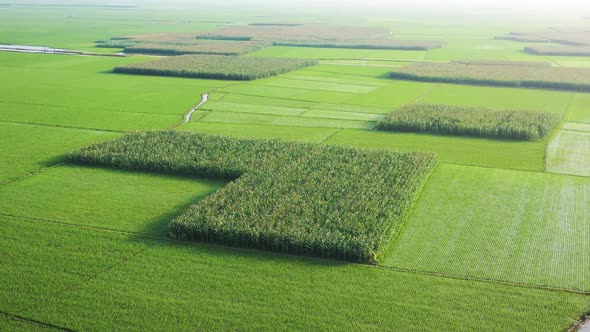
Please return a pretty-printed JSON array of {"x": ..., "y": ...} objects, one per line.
[
  {"x": 532, "y": 231},
  {"x": 495, "y": 238}
]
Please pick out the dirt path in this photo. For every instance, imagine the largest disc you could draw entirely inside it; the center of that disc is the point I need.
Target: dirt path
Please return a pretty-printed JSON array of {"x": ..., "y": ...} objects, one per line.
[
  {"x": 188, "y": 115},
  {"x": 585, "y": 327}
]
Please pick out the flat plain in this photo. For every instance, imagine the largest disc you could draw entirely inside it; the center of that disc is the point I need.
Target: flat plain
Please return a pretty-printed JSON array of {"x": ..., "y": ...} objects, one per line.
[{"x": 498, "y": 240}]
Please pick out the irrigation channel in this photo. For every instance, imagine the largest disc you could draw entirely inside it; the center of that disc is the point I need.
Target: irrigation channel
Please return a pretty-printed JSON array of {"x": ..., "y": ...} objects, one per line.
[
  {"x": 188, "y": 115},
  {"x": 49, "y": 50}
]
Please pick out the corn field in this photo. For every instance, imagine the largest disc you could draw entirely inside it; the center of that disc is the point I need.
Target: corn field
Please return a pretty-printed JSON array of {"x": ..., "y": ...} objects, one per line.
[
  {"x": 216, "y": 67},
  {"x": 577, "y": 79},
  {"x": 469, "y": 121},
  {"x": 297, "y": 198}
]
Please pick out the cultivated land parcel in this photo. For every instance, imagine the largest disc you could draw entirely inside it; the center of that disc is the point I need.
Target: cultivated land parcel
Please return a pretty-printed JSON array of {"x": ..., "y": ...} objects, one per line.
[{"x": 498, "y": 239}]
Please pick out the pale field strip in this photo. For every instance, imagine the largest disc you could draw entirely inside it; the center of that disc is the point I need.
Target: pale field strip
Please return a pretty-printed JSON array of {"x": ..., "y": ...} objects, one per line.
[
  {"x": 569, "y": 152},
  {"x": 534, "y": 231}
]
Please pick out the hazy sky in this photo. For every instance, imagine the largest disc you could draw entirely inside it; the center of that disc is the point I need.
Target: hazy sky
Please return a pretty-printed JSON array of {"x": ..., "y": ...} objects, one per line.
[{"x": 561, "y": 5}]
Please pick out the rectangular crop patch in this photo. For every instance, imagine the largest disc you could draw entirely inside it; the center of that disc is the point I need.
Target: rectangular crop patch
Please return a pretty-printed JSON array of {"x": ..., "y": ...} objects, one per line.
[
  {"x": 298, "y": 198},
  {"x": 470, "y": 121}
]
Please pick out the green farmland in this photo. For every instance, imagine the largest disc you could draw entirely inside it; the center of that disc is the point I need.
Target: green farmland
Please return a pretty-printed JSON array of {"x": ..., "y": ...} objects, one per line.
[{"x": 176, "y": 203}]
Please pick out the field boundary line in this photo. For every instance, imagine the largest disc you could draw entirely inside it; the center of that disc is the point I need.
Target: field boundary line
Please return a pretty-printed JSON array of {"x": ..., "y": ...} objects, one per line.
[
  {"x": 406, "y": 221},
  {"x": 331, "y": 135},
  {"x": 318, "y": 259},
  {"x": 86, "y": 108},
  {"x": 548, "y": 143},
  {"x": 316, "y": 103},
  {"x": 63, "y": 127},
  {"x": 35, "y": 322},
  {"x": 296, "y": 116},
  {"x": 269, "y": 84},
  {"x": 576, "y": 131},
  {"x": 29, "y": 174},
  {"x": 486, "y": 280},
  {"x": 427, "y": 93},
  {"x": 266, "y": 125},
  {"x": 324, "y": 81}
]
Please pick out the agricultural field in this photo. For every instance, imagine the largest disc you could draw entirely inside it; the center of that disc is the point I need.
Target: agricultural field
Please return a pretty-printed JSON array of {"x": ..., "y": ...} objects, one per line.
[
  {"x": 321, "y": 217},
  {"x": 517, "y": 75},
  {"x": 467, "y": 121},
  {"x": 569, "y": 151},
  {"x": 146, "y": 202},
  {"x": 218, "y": 67},
  {"x": 502, "y": 232},
  {"x": 559, "y": 50}
]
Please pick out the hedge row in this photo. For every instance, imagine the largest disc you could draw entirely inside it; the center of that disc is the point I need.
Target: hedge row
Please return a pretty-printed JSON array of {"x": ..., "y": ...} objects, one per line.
[
  {"x": 469, "y": 121},
  {"x": 297, "y": 198}
]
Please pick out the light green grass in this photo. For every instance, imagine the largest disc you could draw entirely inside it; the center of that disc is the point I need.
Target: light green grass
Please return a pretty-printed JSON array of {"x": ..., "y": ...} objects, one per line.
[
  {"x": 328, "y": 97},
  {"x": 332, "y": 53},
  {"x": 263, "y": 91},
  {"x": 26, "y": 148},
  {"x": 579, "y": 108},
  {"x": 484, "y": 48},
  {"x": 341, "y": 115},
  {"x": 319, "y": 85},
  {"x": 381, "y": 72},
  {"x": 576, "y": 126},
  {"x": 308, "y": 134},
  {"x": 277, "y": 120},
  {"x": 458, "y": 150},
  {"x": 500, "y": 98},
  {"x": 397, "y": 94},
  {"x": 335, "y": 78},
  {"x": 161, "y": 285},
  {"x": 521, "y": 227},
  {"x": 220, "y": 106},
  {"x": 569, "y": 153},
  {"x": 302, "y": 104},
  {"x": 264, "y": 101},
  {"x": 85, "y": 84},
  {"x": 104, "y": 198}
]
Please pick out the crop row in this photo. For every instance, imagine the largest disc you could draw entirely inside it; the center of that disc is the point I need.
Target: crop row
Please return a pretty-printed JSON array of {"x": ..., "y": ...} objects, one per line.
[
  {"x": 216, "y": 67},
  {"x": 297, "y": 198},
  {"x": 206, "y": 47},
  {"x": 573, "y": 37},
  {"x": 183, "y": 43},
  {"x": 468, "y": 121},
  {"x": 307, "y": 32},
  {"x": 503, "y": 63},
  {"x": 380, "y": 44},
  {"x": 501, "y": 75},
  {"x": 559, "y": 50}
]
